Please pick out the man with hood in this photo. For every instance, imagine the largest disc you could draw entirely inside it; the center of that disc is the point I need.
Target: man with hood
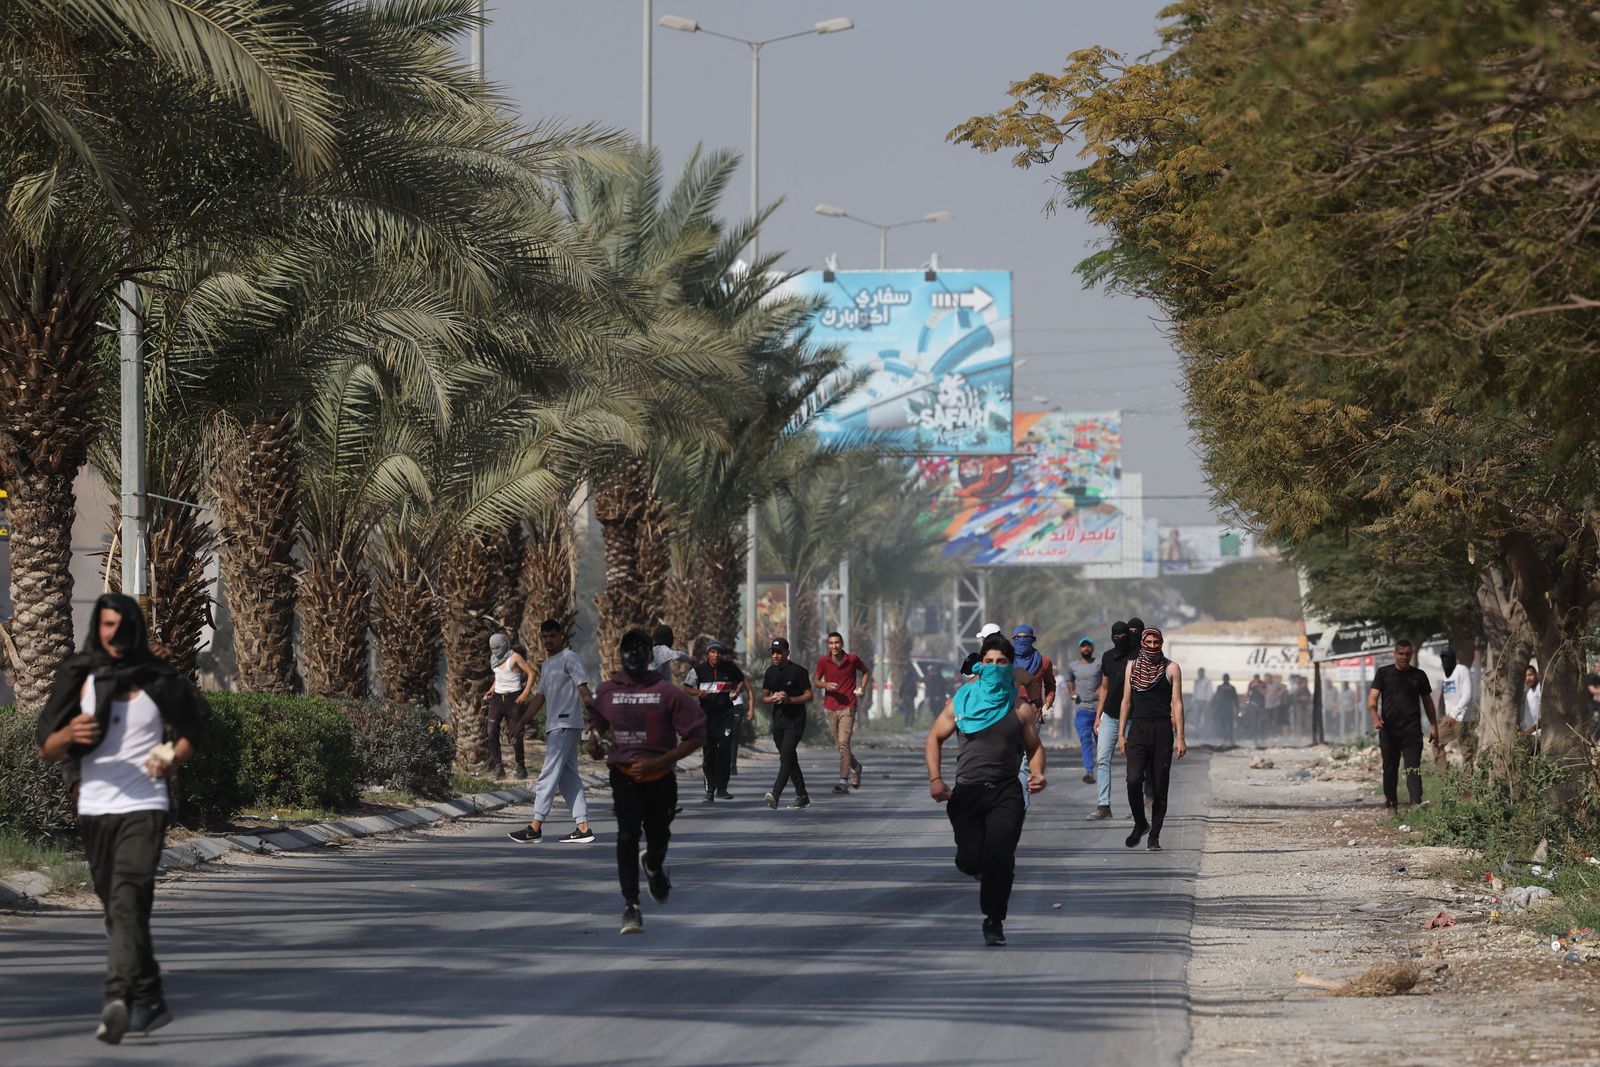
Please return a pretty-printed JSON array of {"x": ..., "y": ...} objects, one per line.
[
  {"x": 108, "y": 714},
  {"x": 1455, "y": 699},
  {"x": 1113, "y": 668},
  {"x": 511, "y": 688},
  {"x": 1083, "y": 685},
  {"x": 653, "y": 724},
  {"x": 563, "y": 694},
  {"x": 1041, "y": 691}
]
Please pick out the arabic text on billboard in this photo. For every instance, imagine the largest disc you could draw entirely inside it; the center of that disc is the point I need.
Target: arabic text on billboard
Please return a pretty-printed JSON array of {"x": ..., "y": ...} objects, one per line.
[
  {"x": 1052, "y": 502},
  {"x": 938, "y": 353}
]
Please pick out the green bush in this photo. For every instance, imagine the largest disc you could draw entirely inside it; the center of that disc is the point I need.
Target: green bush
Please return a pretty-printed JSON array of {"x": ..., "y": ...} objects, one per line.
[
  {"x": 402, "y": 747},
  {"x": 292, "y": 751},
  {"x": 33, "y": 795},
  {"x": 211, "y": 786}
]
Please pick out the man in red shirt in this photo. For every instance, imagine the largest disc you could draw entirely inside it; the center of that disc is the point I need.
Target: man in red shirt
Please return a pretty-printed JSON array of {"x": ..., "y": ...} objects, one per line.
[{"x": 836, "y": 677}]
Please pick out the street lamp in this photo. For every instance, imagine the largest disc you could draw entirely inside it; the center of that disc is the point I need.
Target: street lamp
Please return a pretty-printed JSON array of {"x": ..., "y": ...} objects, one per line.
[
  {"x": 831, "y": 212},
  {"x": 683, "y": 25}
]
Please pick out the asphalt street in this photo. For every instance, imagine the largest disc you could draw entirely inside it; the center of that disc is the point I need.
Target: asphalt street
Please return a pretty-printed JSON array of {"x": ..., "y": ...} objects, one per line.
[{"x": 838, "y": 935}]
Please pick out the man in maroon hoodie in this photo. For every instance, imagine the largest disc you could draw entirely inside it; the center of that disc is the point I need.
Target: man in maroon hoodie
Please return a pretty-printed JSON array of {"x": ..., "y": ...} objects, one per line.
[{"x": 653, "y": 724}]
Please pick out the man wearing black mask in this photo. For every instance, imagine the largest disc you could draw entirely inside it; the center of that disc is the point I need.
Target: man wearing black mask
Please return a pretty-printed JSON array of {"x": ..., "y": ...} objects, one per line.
[{"x": 1113, "y": 666}]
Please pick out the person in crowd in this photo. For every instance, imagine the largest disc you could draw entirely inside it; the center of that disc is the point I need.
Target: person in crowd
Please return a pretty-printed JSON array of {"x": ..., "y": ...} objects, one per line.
[
  {"x": 1300, "y": 708},
  {"x": 1277, "y": 697},
  {"x": 1108, "y": 712},
  {"x": 652, "y": 724},
  {"x": 1532, "y": 697},
  {"x": 716, "y": 680},
  {"x": 786, "y": 689},
  {"x": 1150, "y": 733},
  {"x": 1400, "y": 692},
  {"x": 842, "y": 676},
  {"x": 1455, "y": 700},
  {"x": 108, "y": 715},
  {"x": 1224, "y": 708},
  {"x": 1041, "y": 691},
  {"x": 906, "y": 693},
  {"x": 663, "y": 656},
  {"x": 986, "y": 806},
  {"x": 512, "y": 686},
  {"x": 969, "y": 664},
  {"x": 1592, "y": 685},
  {"x": 562, "y": 696},
  {"x": 1201, "y": 691},
  {"x": 1083, "y": 686}
]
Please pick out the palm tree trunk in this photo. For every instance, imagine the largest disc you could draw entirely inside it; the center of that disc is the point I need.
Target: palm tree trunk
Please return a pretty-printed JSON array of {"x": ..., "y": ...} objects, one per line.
[
  {"x": 49, "y": 388},
  {"x": 723, "y": 567},
  {"x": 655, "y": 560},
  {"x": 335, "y": 606},
  {"x": 898, "y": 664},
  {"x": 473, "y": 581},
  {"x": 550, "y": 576},
  {"x": 803, "y": 625},
  {"x": 619, "y": 508},
  {"x": 181, "y": 543},
  {"x": 256, "y": 484},
  {"x": 407, "y": 623}
]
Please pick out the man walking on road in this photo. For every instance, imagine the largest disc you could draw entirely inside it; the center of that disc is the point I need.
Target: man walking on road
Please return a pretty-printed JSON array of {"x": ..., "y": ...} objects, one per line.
[
  {"x": 1150, "y": 732},
  {"x": 1224, "y": 708},
  {"x": 653, "y": 724},
  {"x": 1400, "y": 691},
  {"x": 1083, "y": 686},
  {"x": 1108, "y": 712},
  {"x": 786, "y": 689},
  {"x": 716, "y": 680},
  {"x": 1041, "y": 691},
  {"x": 512, "y": 688},
  {"x": 563, "y": 693},
  {"x": 836, "y": 675},
  {"x": 1455, "y": 699}
]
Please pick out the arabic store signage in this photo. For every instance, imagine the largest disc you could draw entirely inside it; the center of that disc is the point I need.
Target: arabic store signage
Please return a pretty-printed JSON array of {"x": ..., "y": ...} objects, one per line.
[{"x": 937, "y": 356}]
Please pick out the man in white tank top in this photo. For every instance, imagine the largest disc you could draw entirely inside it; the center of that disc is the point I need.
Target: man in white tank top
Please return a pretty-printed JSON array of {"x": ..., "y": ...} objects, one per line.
[
  {"x": 510, "y": 690},
  {"x": 109, "y": 713}
]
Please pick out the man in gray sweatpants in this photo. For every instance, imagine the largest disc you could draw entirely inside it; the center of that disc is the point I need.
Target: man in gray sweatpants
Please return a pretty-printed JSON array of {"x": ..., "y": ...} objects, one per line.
[{"x": 563, "y": 694}]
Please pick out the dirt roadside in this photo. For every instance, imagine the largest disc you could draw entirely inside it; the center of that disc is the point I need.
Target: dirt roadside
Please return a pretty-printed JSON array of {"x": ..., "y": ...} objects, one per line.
[{"x": 1303, "y": 874}]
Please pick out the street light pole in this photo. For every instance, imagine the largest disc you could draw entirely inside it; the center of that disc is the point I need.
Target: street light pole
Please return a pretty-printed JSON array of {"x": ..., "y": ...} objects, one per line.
[
  {"x": 477, "y": 42},
  {"x": 649, "y": 34},
  {"x": 135, "y": 523},
  {"x": 883, "y": 228}
]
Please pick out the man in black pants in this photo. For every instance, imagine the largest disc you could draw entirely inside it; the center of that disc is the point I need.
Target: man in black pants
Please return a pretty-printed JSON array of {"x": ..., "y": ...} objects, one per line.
[
  {"x": 786, "y": 689},
  {"x": 715, "y": 680},
  {"x": 653, "y": 724},
  {"x": 1399, "y": 691},
  {"x": 1150, "y": 732}
]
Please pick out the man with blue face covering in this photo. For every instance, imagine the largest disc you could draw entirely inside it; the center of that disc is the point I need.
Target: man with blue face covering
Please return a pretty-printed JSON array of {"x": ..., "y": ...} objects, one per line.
[
  {"x": 987, "y": 805},
  {"x": 1041, "y": 692}
]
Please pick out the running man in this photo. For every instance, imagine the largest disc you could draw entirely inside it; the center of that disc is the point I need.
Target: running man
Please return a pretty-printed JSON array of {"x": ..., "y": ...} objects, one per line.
[
  {"x": 1108, "y": 713},
  {"x": 716, "y": 681},
  {"x": 563, "y": 694},
  {"x": 1040, "y": 691},
  {"x": 513, "y": 684},
  {"x": 653, "y": 724},
  {"x": 987, "y": 805},
  {"x": 1150, "y": 731},
  {"x": 1400, "y": 691},
  {"x": 836, "y": 675},
  {"x": 662, "y": 654},
  {"x": 786, "y": 688},
  {"x": 1083, "y": 686},
  {"x": 108, "y": 713}
]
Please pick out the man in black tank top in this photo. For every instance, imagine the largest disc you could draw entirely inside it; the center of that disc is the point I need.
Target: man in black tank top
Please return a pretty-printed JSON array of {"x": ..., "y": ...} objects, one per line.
[{"x": 1150, "y": 731}]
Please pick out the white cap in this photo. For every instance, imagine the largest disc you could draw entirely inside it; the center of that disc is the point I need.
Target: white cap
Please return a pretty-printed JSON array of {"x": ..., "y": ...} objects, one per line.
[{"x": 988, "y": 628}]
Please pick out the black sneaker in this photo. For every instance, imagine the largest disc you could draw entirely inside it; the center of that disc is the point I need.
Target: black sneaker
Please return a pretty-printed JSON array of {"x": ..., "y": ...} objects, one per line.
[
  {"x": 113, "y": 1022},
  {"x": 660, "y": 885},
  {"x": 1089, "y": 778},
  {"x": 527, "y": 835},
  {"x": 994, "y": 933},
  {"x": 578, "y": 837},
  {"x": 1137, "y": 836},
  {"x": 709, "y": 797},
  {"x": 1153, "y": 845},
  {"x": 723, "y": 794},
  {"x": 522, "y": 772},
  {"x": 772, "y": 800},
  {"x": 842, "y": 787},
  {"x": 148, "y": 1016},
  {"x": 1099, "y": 813},
  {"x": 632, "y": 920},
  {"x": 800, "y": 803}
]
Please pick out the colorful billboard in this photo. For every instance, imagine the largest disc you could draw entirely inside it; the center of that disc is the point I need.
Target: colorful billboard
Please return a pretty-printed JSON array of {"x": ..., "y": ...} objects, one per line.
[
  {"x": 1201, "y": 549},
  {"x": 938, "y": 355},
  {"x": 1053, "y": 501}
]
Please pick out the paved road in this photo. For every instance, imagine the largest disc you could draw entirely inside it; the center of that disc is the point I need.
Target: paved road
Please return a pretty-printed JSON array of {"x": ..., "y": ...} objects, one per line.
[{"x": 838, "y": 935}]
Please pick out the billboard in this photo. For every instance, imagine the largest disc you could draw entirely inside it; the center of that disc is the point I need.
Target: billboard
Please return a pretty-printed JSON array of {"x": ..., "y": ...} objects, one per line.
[
  {"x": 1053, "y": 501},
  {"x": 1201, "y": 549},
  {"x": 938, "y": 355}
]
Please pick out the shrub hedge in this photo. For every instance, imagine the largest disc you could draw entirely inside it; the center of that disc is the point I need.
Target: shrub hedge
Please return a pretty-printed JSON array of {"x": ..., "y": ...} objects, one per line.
[{"x": 257, "y": 750}]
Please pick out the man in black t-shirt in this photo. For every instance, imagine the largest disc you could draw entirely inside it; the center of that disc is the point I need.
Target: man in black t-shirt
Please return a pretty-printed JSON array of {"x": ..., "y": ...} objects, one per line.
[
  {"x": 786, "y": 689},
  {"x": 1398, "y": 696},
  {"x": 1113, "y": 670},
  {"x": 716, "y": 680}
]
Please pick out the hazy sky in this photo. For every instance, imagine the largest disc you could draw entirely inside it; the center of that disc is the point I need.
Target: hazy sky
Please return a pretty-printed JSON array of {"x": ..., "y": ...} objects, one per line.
[{"x": 858, "y": 120}]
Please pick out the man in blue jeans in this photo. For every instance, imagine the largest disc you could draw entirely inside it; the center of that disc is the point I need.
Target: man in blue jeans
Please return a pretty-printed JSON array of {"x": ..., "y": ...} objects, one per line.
[
  {"x": 1083, "y": 684},
  {"x": 1113, "y": 668}
]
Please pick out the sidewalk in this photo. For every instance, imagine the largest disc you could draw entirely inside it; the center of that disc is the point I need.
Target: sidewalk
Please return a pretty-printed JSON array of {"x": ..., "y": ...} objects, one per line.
[{"x": 1303, "y": 876}]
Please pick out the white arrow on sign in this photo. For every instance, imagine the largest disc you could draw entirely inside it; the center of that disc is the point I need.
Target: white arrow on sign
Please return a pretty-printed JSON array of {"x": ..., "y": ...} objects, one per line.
[{"x": 977, "y": 299}]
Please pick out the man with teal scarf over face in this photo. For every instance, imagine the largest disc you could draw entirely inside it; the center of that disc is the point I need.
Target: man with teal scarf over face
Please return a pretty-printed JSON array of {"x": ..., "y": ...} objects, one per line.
[{"x": 987, "y": 806}]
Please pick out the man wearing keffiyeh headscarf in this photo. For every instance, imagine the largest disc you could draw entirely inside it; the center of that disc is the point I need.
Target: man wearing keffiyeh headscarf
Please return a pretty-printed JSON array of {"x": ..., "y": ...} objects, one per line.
[{"x": 1150, "y": 731}]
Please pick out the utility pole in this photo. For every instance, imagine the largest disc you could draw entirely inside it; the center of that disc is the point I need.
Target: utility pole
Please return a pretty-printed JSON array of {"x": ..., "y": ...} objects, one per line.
[
  {"x": 135, "y": 520},
  {"x": 649, "y": 32}
]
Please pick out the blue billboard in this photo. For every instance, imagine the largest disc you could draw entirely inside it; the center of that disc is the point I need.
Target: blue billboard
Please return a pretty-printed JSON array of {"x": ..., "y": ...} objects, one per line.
[{"x": 938, "y": 353}]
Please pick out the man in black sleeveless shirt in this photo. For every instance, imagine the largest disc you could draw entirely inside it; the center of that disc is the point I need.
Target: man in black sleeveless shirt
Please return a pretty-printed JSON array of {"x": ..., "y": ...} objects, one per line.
[{"x": 1150, "y": 732}]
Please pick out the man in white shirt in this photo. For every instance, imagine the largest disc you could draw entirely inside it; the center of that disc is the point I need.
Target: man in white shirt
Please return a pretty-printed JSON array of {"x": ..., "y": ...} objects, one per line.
[
  {"x": 563, "y": 694},
  {"x": 1528, "y": 723},
  {"x": 1455, "y": 725}
]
